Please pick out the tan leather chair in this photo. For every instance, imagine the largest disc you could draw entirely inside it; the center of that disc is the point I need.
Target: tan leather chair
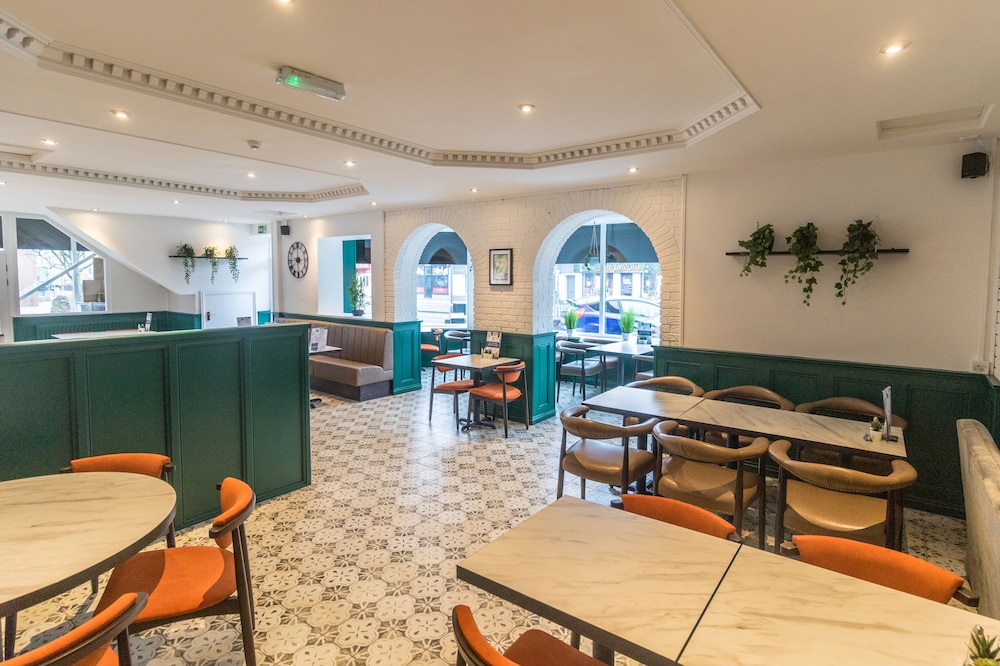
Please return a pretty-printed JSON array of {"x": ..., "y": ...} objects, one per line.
[
  {"x": 829, "y": 500},
  {"x": 574, "y": 363},
  {"x": 532, "y": 648},
  {"x": 641, "y": 361},
  {"x": 593, "y": 458},
  {"x": 750, "y": 395},
  {"x": 699, "y": 473},
  {"x": 855, "y": 409},
  {"x": 454, "y": 388},
  {"x": 667, "y": 384}
]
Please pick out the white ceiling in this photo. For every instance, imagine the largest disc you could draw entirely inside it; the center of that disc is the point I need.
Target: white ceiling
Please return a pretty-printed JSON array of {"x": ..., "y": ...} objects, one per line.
[{"x": 668, "y": 87}]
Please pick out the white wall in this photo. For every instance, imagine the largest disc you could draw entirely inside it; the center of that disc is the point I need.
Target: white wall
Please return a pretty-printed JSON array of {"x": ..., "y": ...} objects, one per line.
[{"x": 924, "y": 309}]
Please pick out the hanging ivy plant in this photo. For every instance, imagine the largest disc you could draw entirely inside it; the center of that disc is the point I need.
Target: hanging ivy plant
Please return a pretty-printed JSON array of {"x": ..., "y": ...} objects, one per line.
[
  {"x": 233, "y": 256},
  {"x": 758, "y": 246},
  {"x": 858, "y": 255},
  {"x": 186, "y": 252},
  {"x": 212, "y": 254},
  {"x": 803, "y": 246}
]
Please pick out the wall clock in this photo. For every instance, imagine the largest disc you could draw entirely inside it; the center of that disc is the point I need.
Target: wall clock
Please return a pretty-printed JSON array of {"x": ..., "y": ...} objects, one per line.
[{"x": 298, "y": 260}]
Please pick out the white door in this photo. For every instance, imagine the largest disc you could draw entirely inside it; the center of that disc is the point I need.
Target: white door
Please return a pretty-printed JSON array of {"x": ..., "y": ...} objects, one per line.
[{"x": 222, "y": 309}]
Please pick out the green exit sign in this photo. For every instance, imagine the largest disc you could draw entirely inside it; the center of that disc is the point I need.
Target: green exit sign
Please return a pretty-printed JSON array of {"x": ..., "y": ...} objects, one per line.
[{"x": 261, "y": 228}]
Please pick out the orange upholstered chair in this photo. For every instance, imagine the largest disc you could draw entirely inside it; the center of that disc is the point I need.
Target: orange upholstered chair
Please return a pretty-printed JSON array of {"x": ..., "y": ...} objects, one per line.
[
  {"x": 679, "y": 513},
  {"x": 504, "y": 392},
  {"x": 533, "y": 648},
  {"x": 453, "y": 388},
  {"x": 90, "y": 643},
  {"x": 195, "y": 581},
  {"x": 879, "y": 565},
  {"x": 432, "y": 348}
]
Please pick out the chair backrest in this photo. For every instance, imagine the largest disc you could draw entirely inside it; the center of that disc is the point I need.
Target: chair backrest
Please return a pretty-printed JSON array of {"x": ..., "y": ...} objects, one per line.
[
  {"x": 574, "y": 348},
  {"x": 574, "y": 422},
  {"x": 509, "y": 373},
  {"x": 678, "y": 513},
  {"x": 237, "y": 501},
  {"x": 149, "y": 464},
  {"x": 751, "y": 395},
  {"x": 443, "y": 370},
  {"x": 879, "y": 565},
  {"x": 88, "y": 643},
  {"x": 670, "y": 384},
  {"x": 843, "y": 479},
  {"x": 706, "y": 452},
  {"x": 473, "y": 648},
  {"x": 844, "y": 407}
]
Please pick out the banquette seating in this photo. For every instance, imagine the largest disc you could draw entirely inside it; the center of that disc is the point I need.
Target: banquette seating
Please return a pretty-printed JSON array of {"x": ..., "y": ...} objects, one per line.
[{"x": 981, "y": 489}]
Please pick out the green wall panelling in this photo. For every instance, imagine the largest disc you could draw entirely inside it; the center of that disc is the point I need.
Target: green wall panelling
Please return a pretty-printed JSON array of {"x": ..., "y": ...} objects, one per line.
[
  {"x": 279, "y": 386},
  {"x": 405, "y": 346},
  {"x": 41, "y": 327},
  {"x": 127, "y": 400},
  {"x": 930, "y": 400},
  {"x": 37, "y": 410}
]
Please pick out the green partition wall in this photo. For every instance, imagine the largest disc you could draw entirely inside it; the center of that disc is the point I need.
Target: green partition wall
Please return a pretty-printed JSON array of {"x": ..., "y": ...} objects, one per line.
[
  {"x": 221, "y": 402},
  {"x": 538, "y": 353}
]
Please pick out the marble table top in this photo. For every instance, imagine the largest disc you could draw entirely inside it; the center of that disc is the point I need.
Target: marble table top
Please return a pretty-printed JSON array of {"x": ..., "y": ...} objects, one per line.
[
  {"x": 777, "y": 611},
  {"x": 635, "y": 585},
  {"x": 623, "y": 348},
  {"x": 97, "y": 334},
  {"x": 60, "y": 530},
  {"x": 476, "y": 362},
  {"x": 644, "y": 403}
]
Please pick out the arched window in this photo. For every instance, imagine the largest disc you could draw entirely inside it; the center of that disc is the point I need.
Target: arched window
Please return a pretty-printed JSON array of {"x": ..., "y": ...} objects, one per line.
[{"x": 443, "y": 282}]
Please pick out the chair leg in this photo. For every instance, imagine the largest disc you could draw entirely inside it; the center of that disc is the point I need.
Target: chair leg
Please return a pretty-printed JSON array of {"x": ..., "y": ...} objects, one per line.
[
  {"x": 455, "y": 409},
  {"x": 560, "y": 479},
  {"x": 583, "y": 488},
  {"x": 9, "y": 634},
  {"x": 430, "y": 412}
]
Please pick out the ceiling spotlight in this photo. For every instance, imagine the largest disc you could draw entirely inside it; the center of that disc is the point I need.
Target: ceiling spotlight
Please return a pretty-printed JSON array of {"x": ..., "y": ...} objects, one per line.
[
  {"x": 374, "y": 204},
  {"x": 121, "y": 115},
  {"x": 527, "y": 108},
  {"x": 49, "y": 142},
  {"x": 176, "y": 201},
  {"x": 633, "y": 169},
  {"x": 95, "y": 210},
  {"x": 251, "y": 174},
  {"x": 3, "y": 182},
  {"x": 893, "y": 48},
  {"x": 350, "y": 163},
  {"x": 254, "y": 145},
  {"x": 474, "y": 189},
  {"x": 311, "y": 83}
]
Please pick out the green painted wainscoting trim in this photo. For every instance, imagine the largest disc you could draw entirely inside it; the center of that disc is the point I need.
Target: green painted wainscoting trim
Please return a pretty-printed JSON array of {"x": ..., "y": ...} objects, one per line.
[
  {"x": 405, "y": 346},
  {"x": 222, "y": 402},
  {"x": 538, "y": 353},
  {"x": 930, "y": 400}
]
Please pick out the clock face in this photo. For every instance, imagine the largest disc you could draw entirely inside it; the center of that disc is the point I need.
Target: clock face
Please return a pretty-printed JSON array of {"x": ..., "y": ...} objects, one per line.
[{"x": 298, "y": 260}]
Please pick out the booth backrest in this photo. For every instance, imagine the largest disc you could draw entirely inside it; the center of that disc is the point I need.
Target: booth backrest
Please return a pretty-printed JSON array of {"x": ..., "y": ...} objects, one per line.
[
  {"x": 364, "y": 344},
  {"x": 981, "y": 488}
]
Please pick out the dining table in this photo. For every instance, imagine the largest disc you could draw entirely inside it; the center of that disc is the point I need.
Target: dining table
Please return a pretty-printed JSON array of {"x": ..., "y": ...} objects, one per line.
[
  {"x": 62, "y": 530},
  {"x": 476, "y": 365},
  {"x": 623, "y": 350}
]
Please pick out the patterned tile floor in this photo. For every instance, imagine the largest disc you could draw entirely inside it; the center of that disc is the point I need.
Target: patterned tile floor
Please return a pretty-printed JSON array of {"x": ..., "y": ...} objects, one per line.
[{"x": 359, "y": 567}]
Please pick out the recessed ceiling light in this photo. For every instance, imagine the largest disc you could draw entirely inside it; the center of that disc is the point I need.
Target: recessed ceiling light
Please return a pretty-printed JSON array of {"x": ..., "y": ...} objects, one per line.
[
  {"x": 633, "y": 169},
  {"x": 226, "y": 221},
  {"x": 526, "y": 108},
  {"x": 251, "y": 174},
  {"x": 95, "y": 210},
  {"x": 3, "y": 182},
  {"x": 893, "y": 48},
  {"x": 474, "y": 189},
  {"x": 285, "y": 2},
  {"x": 176, "y": 201},
  {"x": 49, "y": 142},
  {"x": 121, "y": 115},
  {"x": 350, "y": 163},
  {"x": 374, "y": 204}
]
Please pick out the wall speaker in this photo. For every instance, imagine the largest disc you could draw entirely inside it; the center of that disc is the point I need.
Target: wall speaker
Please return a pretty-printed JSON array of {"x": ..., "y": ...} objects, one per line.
[
  {"x": 975, "y": 165},
  {"x": 287, "y": 230}
]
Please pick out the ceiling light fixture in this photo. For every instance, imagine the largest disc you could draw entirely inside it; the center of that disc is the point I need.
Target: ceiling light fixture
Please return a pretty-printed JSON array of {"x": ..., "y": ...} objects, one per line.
[
  {"x": 474, "y": 189},
  {"x": 527, "y": 108},
  {"x": 121, "y": 115},
  {"x": 49, "y": 142},
  {"x": 893, "y": 48},
  {"x": 176, "y": 201},
  {"x": 251, "y": 174},
  {"x": 633, "y": 169},
  {"x": 95, "y": 210},
  {"x": 374, "y": 204},
  {"x": 3, "y": 182},
  {"x": 254, "y": 144},
  {"x": 350, "y": 163},
  {"x": 311, "y": 83}
]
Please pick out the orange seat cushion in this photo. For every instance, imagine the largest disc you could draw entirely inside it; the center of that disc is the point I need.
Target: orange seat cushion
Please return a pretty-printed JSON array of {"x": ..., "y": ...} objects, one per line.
[
  {"x": 879, "y": 565},
  {"x": 177, "y": 580},
  {"x": 495, "y": 392},
  {"x": 678, "y": 513},
  {"x": 150, "y": 464},
  {"x": 459, "y": 386},
  {"x": 533, "y": 648}
]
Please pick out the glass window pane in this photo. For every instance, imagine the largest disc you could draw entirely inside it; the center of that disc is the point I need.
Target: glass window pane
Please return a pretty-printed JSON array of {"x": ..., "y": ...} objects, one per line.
[{"x": 55, "y": 272}]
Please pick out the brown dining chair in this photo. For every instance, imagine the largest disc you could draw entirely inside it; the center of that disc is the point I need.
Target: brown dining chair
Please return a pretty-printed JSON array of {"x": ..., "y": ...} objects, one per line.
[
  {"x": 503, "y": 392},
  {"x": 90, "y": 643},
  {"x": 681, "y": 514},
  {"x": 749, "y": 395},
  {"x": 454, "y": 388},
  {"x": 855, "y": 409},
  {"x": 196, "y": 581},
  {"x": 712, "y": 476},
  {"x": 814, "y": 498},
  {"x": 532, "y": 648},
  {"x": 882, "y": 566},
  {"x": 594, "y": 458},
  {"x": 667, "y": 384}
]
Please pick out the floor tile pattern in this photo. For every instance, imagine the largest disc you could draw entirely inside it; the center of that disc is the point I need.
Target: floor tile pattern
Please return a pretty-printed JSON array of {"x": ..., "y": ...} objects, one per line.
[{"x": 359, "y": 567}]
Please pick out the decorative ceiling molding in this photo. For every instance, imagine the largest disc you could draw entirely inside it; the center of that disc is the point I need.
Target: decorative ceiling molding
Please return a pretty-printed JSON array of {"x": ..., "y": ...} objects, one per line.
[
  {"x": 18, "y": 40},
  {"x": 17, "y": 164}
]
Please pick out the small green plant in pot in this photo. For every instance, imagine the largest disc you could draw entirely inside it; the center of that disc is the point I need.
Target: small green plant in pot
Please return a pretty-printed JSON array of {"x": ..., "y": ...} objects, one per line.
[
  {"x": 758, "y": 246},
  {"x": 186, "y": 252},
  {"x": 858, "y": 255},
  {"x": 233, "y": 257},
  {"x": 627, "y": 323},
  {"x": 212, "y": 254},
  {"x": 356, "y": 293},
  {"x": 875, "y": 430},
  {"x": 803, "y": 246},
  {"x": 570, "y": 318}
]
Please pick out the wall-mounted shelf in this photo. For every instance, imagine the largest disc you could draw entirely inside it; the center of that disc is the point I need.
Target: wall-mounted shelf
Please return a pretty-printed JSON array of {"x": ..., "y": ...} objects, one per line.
[
  {"x": 201, "y": 256},
  {"x": 888, "y": 250}
]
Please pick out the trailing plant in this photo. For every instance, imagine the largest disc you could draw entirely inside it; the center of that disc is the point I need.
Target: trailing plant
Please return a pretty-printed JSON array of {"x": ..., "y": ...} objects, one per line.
[
  {"x": 803, "y": 246},
  {"x": 627, "y": 321},
  {"x": 212, "y": 254},
  {"x": 858, "y": 255},
  {"x": 758, "y": 246},
  {"x": 570, "y": 318},
  {"x": 186, "y": 252},
  {"x": 356, "y": 291},
  {"x": 233, "y": 256}
]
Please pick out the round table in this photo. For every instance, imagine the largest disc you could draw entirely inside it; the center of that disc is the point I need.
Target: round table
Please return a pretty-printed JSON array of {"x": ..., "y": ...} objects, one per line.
[{"x": 62, "y": 530}]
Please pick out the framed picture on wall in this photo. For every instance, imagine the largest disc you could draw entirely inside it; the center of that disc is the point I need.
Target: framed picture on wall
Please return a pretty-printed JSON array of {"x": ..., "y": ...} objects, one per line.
[{"x": 502, "y": 267}]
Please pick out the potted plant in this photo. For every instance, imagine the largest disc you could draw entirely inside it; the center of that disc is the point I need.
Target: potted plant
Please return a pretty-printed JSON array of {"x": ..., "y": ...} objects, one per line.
[
  {"x": 875, "y": 430},
  {"x": 212, "y": 254},
  {"x": 570, "y": 318},
  {"x": 356, "y": 293},
  {"x": 803, "y": 246},
  {"x": 627, "y": 323},
  {"x": 858, "y": 255},
  {"x": 186, "y": 252},
  {"x": 233, "y": 257},
  {"x": 758, "y": 246},
  {"x": 983, "y": 650}
]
